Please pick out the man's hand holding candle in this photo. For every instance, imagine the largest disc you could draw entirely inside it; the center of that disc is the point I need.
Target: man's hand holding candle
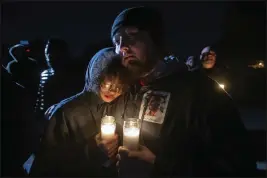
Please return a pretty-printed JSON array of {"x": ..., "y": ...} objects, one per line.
[
  {"x": 142, "y": 154},
  {"x": 108, "y": 146}
]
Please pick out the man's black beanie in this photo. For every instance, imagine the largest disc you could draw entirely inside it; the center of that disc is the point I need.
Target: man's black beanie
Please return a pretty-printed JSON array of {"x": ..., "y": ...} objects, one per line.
[{"x": 143, "y": 18}]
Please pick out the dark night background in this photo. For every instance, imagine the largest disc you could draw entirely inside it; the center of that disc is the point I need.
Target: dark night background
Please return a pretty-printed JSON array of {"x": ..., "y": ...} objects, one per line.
[{"x": 237, "y": 28}]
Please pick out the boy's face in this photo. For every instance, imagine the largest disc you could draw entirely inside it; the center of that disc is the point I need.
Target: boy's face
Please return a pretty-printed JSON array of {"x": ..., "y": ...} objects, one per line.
[{"x": 110, "y": 89}]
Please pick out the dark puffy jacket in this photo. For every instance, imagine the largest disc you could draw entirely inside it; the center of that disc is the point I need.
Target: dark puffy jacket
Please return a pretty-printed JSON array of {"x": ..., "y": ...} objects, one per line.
[
  {"x": 68, "y": 147},
  {"x": 202, "y": 133}
]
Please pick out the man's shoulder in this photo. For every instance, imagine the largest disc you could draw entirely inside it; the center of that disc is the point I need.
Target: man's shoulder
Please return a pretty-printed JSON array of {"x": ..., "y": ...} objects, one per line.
[
  {"x": 190, "y": 81},
  {"x": 185, "y": 78}
]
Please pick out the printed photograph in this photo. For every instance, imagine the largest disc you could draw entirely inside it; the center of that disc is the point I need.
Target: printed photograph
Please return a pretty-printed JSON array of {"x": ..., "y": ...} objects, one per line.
[{"x": 157, "y": 103}]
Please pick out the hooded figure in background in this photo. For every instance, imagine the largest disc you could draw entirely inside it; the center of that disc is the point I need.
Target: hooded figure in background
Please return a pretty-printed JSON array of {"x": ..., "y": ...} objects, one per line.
[
  {"x": 18, "y": 131},
  {"x": 209, "y": 62},
  {"x": 72, "y": 145},
  {"x": 57, "y": 82},
  {"x": 211, "y": 67},
  {"x": 193, "y": 63},
  {"x": 199, "y": 131},
  {"x": 23, "y": 68}
]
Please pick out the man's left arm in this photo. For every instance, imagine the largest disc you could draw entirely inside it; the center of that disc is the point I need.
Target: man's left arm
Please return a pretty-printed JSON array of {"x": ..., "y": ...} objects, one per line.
[
  {"x": 206, "y": 139},
  {"x": 228, "y": 139}
]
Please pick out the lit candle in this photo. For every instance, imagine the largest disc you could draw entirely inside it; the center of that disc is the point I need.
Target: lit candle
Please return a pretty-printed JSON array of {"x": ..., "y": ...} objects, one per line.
[
  {"x": 131, "y": 132},
  {"x": 108, "y": 126}
]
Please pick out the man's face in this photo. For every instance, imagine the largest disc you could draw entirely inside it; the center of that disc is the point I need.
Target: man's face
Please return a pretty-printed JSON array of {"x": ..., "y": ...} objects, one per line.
[
  {"x": 208, "y": 58},
  {"x": 137, "y": 50}
]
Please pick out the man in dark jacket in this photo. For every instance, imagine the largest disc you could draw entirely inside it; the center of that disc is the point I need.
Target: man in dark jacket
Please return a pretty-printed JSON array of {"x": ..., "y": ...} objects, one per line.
[{"x": 198, "y": 131}]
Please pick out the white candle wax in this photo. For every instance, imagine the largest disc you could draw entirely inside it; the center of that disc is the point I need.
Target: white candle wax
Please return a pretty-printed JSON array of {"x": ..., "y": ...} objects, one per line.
[
  {"x": 107, "y": 130},
  {"x": 131, "y": 138}
]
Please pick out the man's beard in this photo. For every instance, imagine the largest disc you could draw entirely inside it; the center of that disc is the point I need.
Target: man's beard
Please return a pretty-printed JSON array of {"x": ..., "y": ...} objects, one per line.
[{"x": 137, "y": 69}]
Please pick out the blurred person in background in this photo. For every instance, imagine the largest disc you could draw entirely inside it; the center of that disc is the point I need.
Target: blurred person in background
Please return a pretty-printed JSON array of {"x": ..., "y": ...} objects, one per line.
[
  {"x": 19, "y": 135},
  {"x": 210, "y": 65},
  {"x": 58, "y": 81},
  {"x": 36, "y": 51},
  {"x": 22, "y": 67},
  {"x": 193, "y": 63}
]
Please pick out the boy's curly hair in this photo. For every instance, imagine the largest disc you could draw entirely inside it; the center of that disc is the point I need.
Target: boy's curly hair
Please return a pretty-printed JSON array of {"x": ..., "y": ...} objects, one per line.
[{"x": 116, "y": 71}]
